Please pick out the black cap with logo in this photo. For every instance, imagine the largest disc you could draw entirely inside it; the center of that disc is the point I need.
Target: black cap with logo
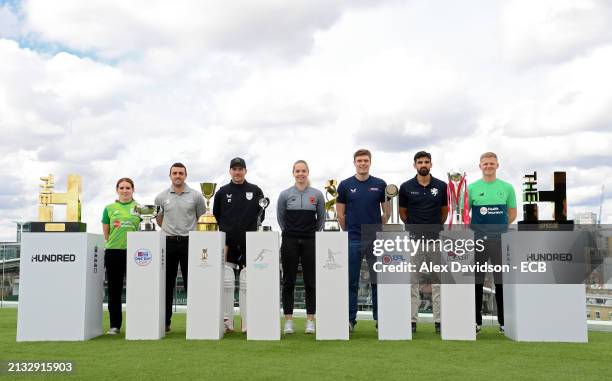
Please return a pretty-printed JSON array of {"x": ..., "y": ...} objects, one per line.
[{"x": 237, "y": 162}]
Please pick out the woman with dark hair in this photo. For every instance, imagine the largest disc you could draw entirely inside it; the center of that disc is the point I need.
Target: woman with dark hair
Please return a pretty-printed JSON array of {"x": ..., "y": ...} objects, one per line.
[
  {"x": 300, "y": 213},
  {"x": 117, "y": 220}
]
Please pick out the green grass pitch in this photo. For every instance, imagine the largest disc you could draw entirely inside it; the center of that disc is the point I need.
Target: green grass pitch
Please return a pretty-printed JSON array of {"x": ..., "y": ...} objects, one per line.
[{"x": 301, "y": 357}]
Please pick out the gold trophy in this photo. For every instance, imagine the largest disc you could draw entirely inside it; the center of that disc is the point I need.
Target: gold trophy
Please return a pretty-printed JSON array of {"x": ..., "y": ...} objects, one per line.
[
  {"x": 207, "y": 221},
  {"x": 71, "y": 198},
  {"x": 331, "y": 219}
]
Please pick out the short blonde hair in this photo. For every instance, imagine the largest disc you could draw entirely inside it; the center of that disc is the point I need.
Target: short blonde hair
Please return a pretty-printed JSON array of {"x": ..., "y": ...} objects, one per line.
[{"x": 488, "y": 154}]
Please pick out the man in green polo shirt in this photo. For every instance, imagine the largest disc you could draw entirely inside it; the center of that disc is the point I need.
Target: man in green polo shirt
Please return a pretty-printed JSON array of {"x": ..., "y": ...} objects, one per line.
[{"x": 493, "y": 206}]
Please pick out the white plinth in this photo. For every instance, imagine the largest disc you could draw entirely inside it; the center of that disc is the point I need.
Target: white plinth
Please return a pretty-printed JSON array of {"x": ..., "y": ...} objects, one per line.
[
  {"x": 457, "y": 306},
  {"x": 394, "y": 292},
  {"x": 332, "y": 285},
  {"x": 542, "y": 312},
  {"x": 395, "y": 315},
  {"x": 457, "y": 291},
  {"x": 61, "y": 287},
  {"x": 146, "y": 286},
  {"x": 205, "y": 297},
  {"x": 263, "y": 285}
]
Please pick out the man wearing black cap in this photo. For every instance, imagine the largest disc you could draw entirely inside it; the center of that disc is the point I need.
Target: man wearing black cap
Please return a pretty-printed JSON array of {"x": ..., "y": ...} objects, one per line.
[{"x": 236, "y": 207}]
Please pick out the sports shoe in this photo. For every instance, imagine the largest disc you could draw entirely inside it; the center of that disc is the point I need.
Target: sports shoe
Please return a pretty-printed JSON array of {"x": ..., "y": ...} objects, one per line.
[
  {"x": 113, "y": 331},
  {"x": 414, "y": 327},
  {"x": 438, "y": 327},
  {"x": 352, "y": 326},
  {"x": 310, "y": 326},
  {"x": 228, "y": 325},
  {"x": 288, "y": 327},
  {"x": 478, "y": 328},
  {"x": 502, "y": 329},
  {"x": 168, "y": 328}
]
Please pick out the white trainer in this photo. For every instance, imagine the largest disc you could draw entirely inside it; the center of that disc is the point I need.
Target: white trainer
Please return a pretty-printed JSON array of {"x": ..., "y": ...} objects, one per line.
[
  {"x": 228, "y": 324},
  {"x": 288, "y": 327},
  {"x": 310, "y": 326},
  {"x": 113, "y": 331}
]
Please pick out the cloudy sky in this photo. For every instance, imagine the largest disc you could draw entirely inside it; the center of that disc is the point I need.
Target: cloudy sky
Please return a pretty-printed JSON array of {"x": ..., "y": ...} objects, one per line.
[{"x": 113, "y": 88}]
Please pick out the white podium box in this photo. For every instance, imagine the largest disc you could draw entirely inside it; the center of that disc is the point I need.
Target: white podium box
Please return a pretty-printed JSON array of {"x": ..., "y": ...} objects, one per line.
[
  {"x": 543, "y": 312},
  {"x": 457, "y": 290},
  {"x": 394, "y": 292},
  {"x": 395, "y": 315},
  {"x": 62, "y": 287},
  {"x": 332, "y": 285},
  {"x": 263, "y": 285},
  {"x": 457, "y": 306},
  {"x": 205, "y": 297},
  {"x": 146, "y": 286}
]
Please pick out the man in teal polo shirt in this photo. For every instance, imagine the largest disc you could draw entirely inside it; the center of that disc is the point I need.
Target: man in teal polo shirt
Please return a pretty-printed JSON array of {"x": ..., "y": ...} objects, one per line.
[{"x": 493, "y": 205}]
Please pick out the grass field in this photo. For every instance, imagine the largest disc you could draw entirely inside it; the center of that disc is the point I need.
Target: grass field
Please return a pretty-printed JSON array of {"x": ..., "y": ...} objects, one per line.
[{"x": 300, "y": 356}]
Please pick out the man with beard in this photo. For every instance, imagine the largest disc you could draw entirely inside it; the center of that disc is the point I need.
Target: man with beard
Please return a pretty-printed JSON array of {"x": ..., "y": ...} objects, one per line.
[{"x": 423, "y": 202}]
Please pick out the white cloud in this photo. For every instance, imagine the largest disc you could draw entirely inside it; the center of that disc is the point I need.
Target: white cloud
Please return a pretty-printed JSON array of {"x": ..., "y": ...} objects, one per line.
[
  {"x": 552, "y": 31},
  {"x": 276, "y": 82},
  {"x": 118, "y": 28}
]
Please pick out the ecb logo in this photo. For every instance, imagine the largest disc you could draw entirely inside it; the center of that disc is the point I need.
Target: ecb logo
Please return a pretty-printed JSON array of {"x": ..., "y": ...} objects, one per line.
[
  {"x": 143, "y": 257},
  {"x": 388, "y": 259}
]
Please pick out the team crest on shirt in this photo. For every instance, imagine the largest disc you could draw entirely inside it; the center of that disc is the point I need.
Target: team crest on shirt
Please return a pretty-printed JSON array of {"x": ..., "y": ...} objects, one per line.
[
  {"x": 228, "y": 197},
  {"x": 434, "y": 191},
  {"x": 353, "y": 190},
  {"x": 249, "y": 195},
  {"x": 312, "y": 200}
]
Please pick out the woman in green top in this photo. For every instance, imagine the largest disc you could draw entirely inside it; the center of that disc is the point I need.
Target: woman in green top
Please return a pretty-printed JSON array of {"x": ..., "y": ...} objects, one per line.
[{"x": 117, "y": 220}]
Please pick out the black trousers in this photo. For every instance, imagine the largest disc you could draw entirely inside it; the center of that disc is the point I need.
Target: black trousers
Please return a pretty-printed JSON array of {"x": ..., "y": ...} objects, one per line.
[
  {"x": 115, "y": 262},
  {"x": 492, "y": 253},
  {"x": 294, "y": 251},
  {"x": 176, "y": 253}
]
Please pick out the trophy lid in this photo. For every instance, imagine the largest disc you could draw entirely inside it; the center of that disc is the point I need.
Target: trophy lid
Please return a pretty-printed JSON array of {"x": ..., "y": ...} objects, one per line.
[
  {"x": 264, "y": 202},
  {"x": 391, "y": 190}
]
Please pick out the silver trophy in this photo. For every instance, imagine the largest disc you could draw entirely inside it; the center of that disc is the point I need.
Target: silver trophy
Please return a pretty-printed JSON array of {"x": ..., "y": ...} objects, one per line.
[
  {"x": 391, "y": 192},
  {"x": 146, "y": 214},
  {"x": 264, "y": 202}
]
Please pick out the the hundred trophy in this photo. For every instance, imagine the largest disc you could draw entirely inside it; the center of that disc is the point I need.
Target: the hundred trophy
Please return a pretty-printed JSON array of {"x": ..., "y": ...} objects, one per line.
[
  {"x": 531, "y": 196},
  {"x": 207, "y": 221},
  {"x": 331, "y": 223},
  {"x": 264, "y": 202},
  {"x": 394, "y": 225},
  {"x": 71, "y": 198},
  {"x": 146, "y": 214},
  {"x": 458, "y": 202}
]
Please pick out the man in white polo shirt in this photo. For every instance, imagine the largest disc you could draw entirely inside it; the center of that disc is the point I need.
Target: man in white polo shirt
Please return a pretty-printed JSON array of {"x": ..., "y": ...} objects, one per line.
[{"x": 181, "y": 207}]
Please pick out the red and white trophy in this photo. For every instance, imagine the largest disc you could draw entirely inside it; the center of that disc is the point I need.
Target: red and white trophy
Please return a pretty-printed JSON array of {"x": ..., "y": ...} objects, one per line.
[{"x": 458, "y": 202}]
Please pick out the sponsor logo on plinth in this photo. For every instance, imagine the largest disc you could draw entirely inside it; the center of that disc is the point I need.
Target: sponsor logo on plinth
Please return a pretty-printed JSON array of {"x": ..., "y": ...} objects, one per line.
[
  {"x": 143, "y": 257},
  {"x": 330, "y": 262},
  {"x": 258, "y": 262},
  {"x": 204, "y": 258}
]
